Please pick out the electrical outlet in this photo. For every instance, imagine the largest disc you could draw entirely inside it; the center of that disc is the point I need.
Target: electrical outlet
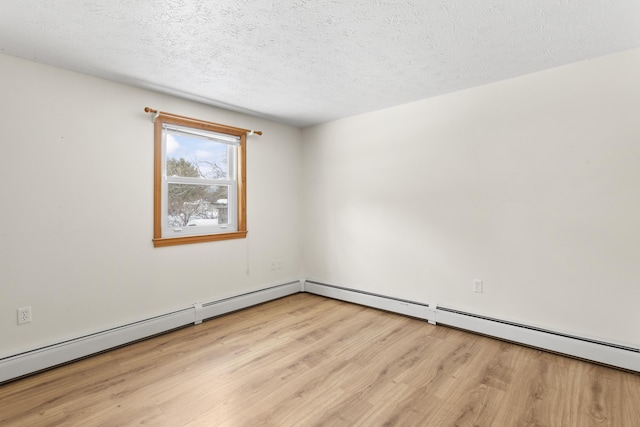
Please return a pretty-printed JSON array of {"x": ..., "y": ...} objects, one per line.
[
  {"x": 477, "y": 286},
  {"x": 24, "y": 315}
]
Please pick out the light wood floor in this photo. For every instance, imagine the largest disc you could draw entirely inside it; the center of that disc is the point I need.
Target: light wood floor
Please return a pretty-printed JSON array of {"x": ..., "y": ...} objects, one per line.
[{"x": 306, "y": 360}]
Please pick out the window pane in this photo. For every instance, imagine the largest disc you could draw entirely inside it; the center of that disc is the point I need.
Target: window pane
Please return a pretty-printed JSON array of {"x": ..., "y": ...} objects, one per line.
[
  {"x": 190, "y": 156},
  {"x": 192, "y": 205}
]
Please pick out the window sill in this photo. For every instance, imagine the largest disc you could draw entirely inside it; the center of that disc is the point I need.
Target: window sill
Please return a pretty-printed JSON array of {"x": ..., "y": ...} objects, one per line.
[{"x": 173, "y": 241}]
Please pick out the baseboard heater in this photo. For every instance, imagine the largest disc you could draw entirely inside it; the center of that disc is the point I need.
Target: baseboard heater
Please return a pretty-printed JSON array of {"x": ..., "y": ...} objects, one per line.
[
  {"x": 36, "y": 360},
  {"x": 616, "y": 355},
  {"x": 235, "y": 303}
]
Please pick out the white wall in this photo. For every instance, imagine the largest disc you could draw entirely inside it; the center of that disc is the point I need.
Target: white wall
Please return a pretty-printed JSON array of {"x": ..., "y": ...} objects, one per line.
[
  {"x": 530, "y": 184},
  {"x": 76, "y": 218}
]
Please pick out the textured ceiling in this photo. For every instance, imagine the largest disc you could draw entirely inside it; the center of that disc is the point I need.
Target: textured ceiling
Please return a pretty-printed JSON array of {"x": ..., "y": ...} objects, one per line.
[{"x": 309, "y": 61}]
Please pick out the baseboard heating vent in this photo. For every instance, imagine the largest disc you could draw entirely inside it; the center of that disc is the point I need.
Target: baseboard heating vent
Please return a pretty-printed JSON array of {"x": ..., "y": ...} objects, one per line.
[
  {"x": 395, "y": 305},
  {"x": 546, "y": 331},
  {"x": 228, "y": 305},
  {"x": 19, "y": 365},
  {"x": 625, "y": 357},
  {"x": 29, "y": 362},
  {"x": 607, "y": 353}
]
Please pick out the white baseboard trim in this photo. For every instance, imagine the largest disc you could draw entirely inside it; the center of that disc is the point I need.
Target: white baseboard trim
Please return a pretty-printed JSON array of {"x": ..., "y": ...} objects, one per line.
[
  {"x": 46, "y": 357},
  {"x": 620, "y": 356},
  {"x": 408, "y": 308},
  {"x": 624, "y": 357},
  {"x": 228, "y": 305},
  {"x": 36, "y": 360}
]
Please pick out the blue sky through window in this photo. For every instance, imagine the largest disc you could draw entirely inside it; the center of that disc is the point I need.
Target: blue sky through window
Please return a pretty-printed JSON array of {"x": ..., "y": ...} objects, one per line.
[{"x": 210, "y": 157}]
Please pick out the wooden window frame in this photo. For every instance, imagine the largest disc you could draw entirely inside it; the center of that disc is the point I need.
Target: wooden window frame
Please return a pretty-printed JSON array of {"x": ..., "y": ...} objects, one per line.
[{"x": 241, "y": 232}]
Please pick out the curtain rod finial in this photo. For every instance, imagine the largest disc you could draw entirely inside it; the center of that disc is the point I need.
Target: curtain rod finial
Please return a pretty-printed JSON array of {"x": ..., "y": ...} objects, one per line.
[{"x": 151, "y": 110}]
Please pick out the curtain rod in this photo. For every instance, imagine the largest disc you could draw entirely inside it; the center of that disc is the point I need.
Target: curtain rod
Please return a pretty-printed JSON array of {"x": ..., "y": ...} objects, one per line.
[{"x": 157, "y": 113}]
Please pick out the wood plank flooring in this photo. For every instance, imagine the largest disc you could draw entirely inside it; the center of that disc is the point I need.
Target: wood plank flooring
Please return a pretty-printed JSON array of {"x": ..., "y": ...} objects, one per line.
[{"x": 306, "y": 360}]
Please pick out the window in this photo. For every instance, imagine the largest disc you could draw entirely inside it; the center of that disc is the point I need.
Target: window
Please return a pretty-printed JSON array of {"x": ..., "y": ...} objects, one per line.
[{"x": 199, "y": 183}]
